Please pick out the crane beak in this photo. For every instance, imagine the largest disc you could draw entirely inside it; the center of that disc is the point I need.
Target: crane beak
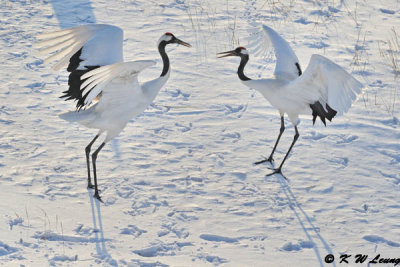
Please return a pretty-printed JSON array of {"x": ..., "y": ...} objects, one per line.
[
  {"x": 227, "y": 54},
  {"x": 182, "y": 43}
]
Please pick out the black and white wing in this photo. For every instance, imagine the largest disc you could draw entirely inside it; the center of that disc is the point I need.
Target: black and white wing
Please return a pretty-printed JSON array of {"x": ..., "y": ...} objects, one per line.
[
  {"x": 103, "y": 80},
  {"x": 287, "y": 63},
  {"x": 81, "y": 49},
  {"x": 327, "y": 86}
]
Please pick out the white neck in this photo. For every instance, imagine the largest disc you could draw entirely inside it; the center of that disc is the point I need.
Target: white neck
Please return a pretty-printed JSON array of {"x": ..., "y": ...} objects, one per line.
[{"x": 152, "y": 87}]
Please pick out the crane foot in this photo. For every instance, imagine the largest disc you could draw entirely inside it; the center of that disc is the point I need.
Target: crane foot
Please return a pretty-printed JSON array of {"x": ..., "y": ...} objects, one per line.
[
  {"x": 96, "y": 195},
  {"x": 270, "y": 160},
  {"x": 276, "y": 171}
]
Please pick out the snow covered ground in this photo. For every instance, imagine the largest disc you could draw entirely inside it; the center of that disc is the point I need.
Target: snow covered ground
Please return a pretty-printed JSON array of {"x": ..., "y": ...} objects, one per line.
[{"x": 178, "y": 185}]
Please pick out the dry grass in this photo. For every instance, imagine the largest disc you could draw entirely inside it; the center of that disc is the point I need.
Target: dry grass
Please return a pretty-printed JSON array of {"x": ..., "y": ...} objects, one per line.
[{"x": 390, "y": 54}]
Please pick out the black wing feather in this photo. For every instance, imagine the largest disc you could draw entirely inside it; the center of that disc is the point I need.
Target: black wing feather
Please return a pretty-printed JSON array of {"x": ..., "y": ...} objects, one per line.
[{"x": 74, "y": 91}]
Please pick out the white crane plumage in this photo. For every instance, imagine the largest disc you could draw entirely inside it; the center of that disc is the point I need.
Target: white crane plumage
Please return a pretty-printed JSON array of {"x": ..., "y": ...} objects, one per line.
[
  {"x": 105, "y": 87},
  {"x": 324, "y": 89}
]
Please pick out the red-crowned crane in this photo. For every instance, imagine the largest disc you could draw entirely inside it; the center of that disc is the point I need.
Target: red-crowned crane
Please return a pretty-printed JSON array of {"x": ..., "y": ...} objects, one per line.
[
  {"x": 105, "y": 87},
  {"x": 324, "y": 90}
]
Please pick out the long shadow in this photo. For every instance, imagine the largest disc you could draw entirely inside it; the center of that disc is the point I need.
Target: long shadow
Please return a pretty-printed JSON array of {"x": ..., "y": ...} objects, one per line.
[
  {"x": 296, "y": 207},
  {"x": 72, "y": 13},
  {"x": 99, "y": 233}
]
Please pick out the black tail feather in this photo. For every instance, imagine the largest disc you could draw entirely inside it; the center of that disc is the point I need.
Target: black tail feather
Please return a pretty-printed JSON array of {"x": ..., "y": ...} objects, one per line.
[
  {"x": 319, "y": 111},
  {"x": 331, "y": 112}
]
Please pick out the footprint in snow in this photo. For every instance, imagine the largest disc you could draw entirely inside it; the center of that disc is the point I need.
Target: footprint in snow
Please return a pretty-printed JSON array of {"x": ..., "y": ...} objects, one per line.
[
  {"x": 240, "y": 175},
  {"x": 132, "y": 230},
  {"x": 378, "y": 239},
  {"x": 235, "y": 136},
  {"x": 33, "y": 65},
  {"x": 387, "y": 11},
  {"x": 184, "y": 128},
  {"x": 6, "y": 122},
  {"x": 162, "y": 249},
  {"x": 297, "y": 247},
  {"x": 303, "y": 21},
  {"x": 395, "y": 157},
  {"x": 393, "y": 177},
  {"x": 161, "y": 130},
  {"x": 322, "y": 13},
  {"x": 80, "y": 229},
  {"x": 172, "y": 228},
  {"x": 218, "y": 238},
  {"x": 393, "y": 122},
  {"x": 325, "y": 189},
  {"x": 14, "y": 221},
  {"x": 51, "y": 236},
  {"x": 62, "y": 258},
  {"x": 314, "y": 136},
  {"x": 125, "y": 191},
  {"x": 346, "y": 139},
  {"x": 136, "y": 262},
  {"x": 234, "y": 109},
  {"x": 178, "y": 93},
  {"x": 343, "y": 161},
  {"x": 212, "y": 259},
  {"x": 6, "y": 249},
  {"x": 316, "y": 45},
  {"x": 363, "y": 209},
  {"x": 333, "y": 9}
]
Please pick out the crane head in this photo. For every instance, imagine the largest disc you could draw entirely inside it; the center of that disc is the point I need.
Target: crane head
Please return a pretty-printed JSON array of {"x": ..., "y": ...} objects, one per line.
[
  {"x": 238, "y": 52},
  {"x": 169, "y": 38}
]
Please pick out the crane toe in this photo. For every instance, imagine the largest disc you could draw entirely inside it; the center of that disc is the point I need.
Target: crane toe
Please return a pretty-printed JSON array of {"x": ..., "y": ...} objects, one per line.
[
  {"x": 90, "y": 185},
  {"x": 96, "y": 195},
  {"x": 270, "y": 160},
  {"x": 276, "y": 171}
]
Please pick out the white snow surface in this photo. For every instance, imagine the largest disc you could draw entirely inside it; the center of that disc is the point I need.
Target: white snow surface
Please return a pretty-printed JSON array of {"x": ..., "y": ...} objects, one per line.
[{"x": 179, "y": 185}]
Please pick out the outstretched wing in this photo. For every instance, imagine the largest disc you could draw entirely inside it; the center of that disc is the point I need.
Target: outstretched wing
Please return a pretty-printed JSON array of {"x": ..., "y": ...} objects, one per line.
[
  {"x": 327, "y": 83},
  {"x": 82, "y": 48},
  {"x": 287, "y": 63},
  {"x": 113, "y": 82},
  {"x": 101, "y": 44}
]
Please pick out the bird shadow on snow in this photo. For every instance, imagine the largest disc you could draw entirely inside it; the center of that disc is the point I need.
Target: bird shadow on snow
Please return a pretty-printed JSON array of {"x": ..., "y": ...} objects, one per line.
[
  {"x": 101, "y": 249},
  {"x": 70, "y": 13},
  {"x": 306, "y": 223}
]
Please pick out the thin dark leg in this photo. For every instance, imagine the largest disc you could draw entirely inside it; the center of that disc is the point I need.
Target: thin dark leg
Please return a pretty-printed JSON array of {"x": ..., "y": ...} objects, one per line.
[
  {"x": 270, "y": 159},
  {"x": 87, "y": 150},
  {"x": 279, "y": 169},
  {"x": 94, "y": 157}
]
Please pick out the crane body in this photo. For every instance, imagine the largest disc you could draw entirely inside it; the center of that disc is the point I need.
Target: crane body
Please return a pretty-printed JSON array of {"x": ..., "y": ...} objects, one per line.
[
  {"x": 106, "y": 89},
  {"x": 324, "y": 90}
]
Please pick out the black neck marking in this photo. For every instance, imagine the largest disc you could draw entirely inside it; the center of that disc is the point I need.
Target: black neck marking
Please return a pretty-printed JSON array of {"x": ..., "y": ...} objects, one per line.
[
  {"x": 164, "y": 56},
  {"x": 298, "y": 68},
  {"x": 243, "y": 62}
]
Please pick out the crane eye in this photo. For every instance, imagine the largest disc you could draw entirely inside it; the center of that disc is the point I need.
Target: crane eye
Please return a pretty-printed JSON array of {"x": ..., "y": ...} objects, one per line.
[{"x": 241, "y": 49}]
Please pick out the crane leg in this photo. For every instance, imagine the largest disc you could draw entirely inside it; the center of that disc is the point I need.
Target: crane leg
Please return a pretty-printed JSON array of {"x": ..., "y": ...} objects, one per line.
[
  {"x": 279, "y": 169},
  {"x": 87, "y": 150},
  {"x": 270, "y": 158},
  {"x": 94, "y": 157}
]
